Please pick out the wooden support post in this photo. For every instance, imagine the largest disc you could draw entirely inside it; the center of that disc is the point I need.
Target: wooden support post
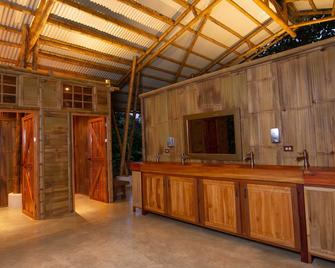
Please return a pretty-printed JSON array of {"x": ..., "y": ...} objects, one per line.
[
  {"x": 17, "y": 155},
  {"x": 35, "y": 56},
  {"x": 126, "y": 125},
  {"x": 132, "y": 131},
  {"x": 24, "y": 52}
]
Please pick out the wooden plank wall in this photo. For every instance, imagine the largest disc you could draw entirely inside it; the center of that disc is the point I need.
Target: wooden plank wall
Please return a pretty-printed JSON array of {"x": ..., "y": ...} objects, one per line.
[
  {"x": 295, "y": 94},
  {"x": 7, "y": 157},
  {"x": 57, "y": 199}
]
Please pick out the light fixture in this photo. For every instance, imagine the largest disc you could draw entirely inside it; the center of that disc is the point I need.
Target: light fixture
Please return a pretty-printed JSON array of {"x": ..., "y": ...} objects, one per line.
[{"x": 67, "y": 89}]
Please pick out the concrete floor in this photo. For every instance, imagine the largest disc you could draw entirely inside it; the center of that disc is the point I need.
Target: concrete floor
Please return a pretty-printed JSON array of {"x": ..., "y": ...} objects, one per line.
[{"x": 109, "y": 235}]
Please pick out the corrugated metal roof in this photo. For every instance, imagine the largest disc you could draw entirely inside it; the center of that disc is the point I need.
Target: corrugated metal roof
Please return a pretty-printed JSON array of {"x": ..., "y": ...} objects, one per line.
[
  {"x": 13, "y": 18},
  {"x": 79, "y": 39},
  {"x": 133, "y": 14},
  {"x": 9, "y": 52},
  {"x": 212, "y": 43},
  {"x": 78, "y": 69},
  {"x": 87, "y": 19}
]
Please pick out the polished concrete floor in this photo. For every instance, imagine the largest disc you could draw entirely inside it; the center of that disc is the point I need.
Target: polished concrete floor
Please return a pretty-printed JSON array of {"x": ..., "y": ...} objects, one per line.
[{"x": 110, "y": 235}]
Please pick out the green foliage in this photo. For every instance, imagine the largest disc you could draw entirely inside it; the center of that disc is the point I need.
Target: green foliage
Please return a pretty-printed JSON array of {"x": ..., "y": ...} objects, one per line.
[
  {"x": 136, "y": 152},
  {"x": 305, "y": 35}
]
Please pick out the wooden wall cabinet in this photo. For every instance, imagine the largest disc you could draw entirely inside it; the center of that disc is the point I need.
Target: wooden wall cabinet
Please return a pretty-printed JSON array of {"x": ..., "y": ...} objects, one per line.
[
  {"x": 182, "y": 198},
  {"x": 270, "y": 212},
  {"x": 154, "y": 193},
  {"x": 320, "y": 219},
  {"x": 220, "y": 204}
]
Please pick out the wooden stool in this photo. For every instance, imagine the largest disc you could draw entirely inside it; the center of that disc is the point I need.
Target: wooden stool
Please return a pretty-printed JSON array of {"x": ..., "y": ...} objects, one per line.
[{"x": 120, "y": 186}]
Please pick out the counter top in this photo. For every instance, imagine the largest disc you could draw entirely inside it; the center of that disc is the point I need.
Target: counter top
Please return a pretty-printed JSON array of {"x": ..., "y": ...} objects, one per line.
[
  {"x": 285, "y": 174},
  {"x": 320, "y": 177}
]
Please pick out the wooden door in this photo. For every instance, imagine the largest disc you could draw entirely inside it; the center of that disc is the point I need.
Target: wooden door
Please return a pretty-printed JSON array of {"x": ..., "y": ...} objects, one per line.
[
  {"x": 183, "y": 198},
  {"x": 320, "y": 219},
  {"x": 154, "y": 193},
  {"x": 272, "y": 212},
  {"x": 28, "y": 168},
  {"x": 98, "y": 181},
  {"x": 220, "y": 204}
]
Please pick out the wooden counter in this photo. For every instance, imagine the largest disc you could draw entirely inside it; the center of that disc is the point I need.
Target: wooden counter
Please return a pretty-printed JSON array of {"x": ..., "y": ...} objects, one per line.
[
  {"x": 265, "y": 203},
  {"x": 241, "y": 172}
]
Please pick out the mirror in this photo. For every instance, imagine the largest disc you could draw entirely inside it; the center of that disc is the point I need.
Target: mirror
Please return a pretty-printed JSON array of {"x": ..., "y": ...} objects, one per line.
[{"x": 213, "y": 135}]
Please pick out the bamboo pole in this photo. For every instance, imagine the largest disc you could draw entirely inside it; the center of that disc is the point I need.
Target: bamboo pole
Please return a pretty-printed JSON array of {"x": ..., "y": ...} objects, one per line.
[
  {"x": 133, "y": 127},
  {"x": 126, "y": 125}
]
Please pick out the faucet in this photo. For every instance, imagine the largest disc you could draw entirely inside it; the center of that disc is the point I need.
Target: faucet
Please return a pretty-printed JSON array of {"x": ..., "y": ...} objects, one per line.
[
  {"x": 158, "y": 156},
  {"x": 183, "y": 158},
  {"x": 304, "y": 156},
  {"x": 250, "y": 157}
]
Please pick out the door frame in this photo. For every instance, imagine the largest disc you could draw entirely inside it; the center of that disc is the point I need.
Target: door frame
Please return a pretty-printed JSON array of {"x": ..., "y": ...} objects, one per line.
[
  {"x": 36, "y": 190},
  {"x": 108, "y": 153}
]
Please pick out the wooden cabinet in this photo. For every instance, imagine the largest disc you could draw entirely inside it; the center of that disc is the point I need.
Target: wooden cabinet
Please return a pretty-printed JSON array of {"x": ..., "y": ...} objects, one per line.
[
  {"x": 220, "y": 204},
  {"x": 271, "y": 213},
  {"x": 154, "y": 193},
  {"x": 320, "y": 219},
  {"x": 182, "y": 198}
]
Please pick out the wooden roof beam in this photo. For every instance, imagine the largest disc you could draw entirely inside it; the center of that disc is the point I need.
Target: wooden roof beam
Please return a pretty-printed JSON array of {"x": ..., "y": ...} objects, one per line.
[
  {"x": 195, "y": 38},
  {"x": 312, "y": 22},
  {"x": 79, "y": 49},
  {"x": 275, "y": 17},
  {"x": 108, "y": 18},
  {"x": 41, "y": 17},
  {"x": 69, "y": 74},
  {"x": 204, "y": 12},
  {"x": 333, "y": 10},
  {"x": 81, "y": 62},
  {"x": 160, "y": 39},
  {"x": 234, "y": 47}
]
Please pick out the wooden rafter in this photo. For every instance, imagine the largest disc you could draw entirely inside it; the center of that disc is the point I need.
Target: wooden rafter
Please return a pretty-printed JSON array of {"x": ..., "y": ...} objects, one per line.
[
  {"x": 312, "y": 4},
  {"x": 333, "y": 10},
  {"x": 195, "y": 38},
  {"x": 160, "y": 40},
  {"x": 306, "y": 13},
  {"x": 41, "y": 16},
  {"x": 306, "y": 23},
  {"x": 234, "y": 47},
  {"x": 82, "y": 50},
  {"x": 204, "y": 12},
  {"x": 9, "y": 44},
  {"x": 275, "y": 17},
  {"x": 81, "y": 62}
]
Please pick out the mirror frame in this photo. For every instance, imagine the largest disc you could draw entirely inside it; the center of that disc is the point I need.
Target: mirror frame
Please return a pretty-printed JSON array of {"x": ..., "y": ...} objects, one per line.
[{"x": 238, "y": 139}]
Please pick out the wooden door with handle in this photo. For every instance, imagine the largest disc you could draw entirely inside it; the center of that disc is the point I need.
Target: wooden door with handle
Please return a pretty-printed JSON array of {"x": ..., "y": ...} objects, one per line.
[
  {"x": 28, "y": 169},
  {"x": 98, "y": 182}
]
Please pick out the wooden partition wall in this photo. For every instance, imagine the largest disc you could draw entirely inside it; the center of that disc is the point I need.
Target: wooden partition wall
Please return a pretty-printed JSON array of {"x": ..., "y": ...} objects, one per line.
[
  {"x": 44, "y": 97},
  {"x": 294, "y": 91}
]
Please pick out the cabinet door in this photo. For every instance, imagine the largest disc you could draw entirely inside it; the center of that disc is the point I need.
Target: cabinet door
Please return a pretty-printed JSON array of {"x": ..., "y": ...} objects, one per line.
[
  {"x": 154, "y": 193},
  {"x": 271, "y": 213},
  {"x": 182, "y": 198},
  {"x": 220, "y": 204},
  {"x": 320, "y": 219}
]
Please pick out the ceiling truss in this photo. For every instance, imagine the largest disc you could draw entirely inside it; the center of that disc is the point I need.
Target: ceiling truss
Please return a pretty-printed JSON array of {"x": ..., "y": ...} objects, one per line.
[{"x": 32, "y": 37}]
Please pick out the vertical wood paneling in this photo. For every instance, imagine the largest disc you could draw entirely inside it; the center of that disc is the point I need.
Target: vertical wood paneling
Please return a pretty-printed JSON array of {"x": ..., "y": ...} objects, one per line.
[
  {"x": 30, "y": 91},
  {"x": 50, "y": 94},
  {"x": 320, "y": 219},
  {"x": 56, "y": 158},
  {"x": 296, "y": 95}
]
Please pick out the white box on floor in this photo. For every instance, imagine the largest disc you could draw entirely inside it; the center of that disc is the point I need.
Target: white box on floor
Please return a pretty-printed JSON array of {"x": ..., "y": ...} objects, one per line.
[{"x": 14, "y": 200}]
